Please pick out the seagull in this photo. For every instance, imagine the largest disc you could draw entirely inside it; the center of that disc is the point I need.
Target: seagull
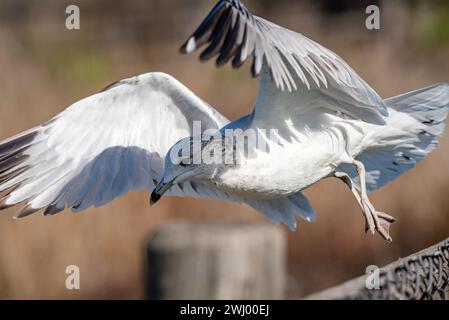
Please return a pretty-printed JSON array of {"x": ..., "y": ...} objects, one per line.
[{"x": 142, "y": 133}]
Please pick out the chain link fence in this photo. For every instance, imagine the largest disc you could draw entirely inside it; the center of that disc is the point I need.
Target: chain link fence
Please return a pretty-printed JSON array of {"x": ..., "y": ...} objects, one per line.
[{"x": 421, "y": 276}]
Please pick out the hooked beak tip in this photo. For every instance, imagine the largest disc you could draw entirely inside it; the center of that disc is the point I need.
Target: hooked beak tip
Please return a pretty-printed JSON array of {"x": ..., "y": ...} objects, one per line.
[
  {"x": 154, "y": 198},
  {"x": 160, "y": 189}
]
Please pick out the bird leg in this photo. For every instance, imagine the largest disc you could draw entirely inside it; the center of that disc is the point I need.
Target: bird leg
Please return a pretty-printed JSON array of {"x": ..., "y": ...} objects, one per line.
[
  {"x": 369, "y": 222},
  {"x": 374, "y": 220},
  {"x": 382, "y": 221}
]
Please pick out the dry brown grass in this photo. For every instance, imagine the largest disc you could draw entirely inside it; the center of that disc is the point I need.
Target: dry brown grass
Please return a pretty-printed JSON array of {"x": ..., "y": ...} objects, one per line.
[{"x": 44, "y": 68}]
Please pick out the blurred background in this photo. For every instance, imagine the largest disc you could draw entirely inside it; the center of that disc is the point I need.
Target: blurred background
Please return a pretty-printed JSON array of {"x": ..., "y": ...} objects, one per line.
[{"x": 44, "y": 68}]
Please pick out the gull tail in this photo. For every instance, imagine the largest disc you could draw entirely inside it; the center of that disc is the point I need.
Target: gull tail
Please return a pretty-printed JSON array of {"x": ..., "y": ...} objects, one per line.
[{"x": 415, "y": 123}]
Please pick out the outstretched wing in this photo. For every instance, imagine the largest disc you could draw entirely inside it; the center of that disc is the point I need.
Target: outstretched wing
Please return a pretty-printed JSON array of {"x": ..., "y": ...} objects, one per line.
[
  {"x": 102, "y": 146},
  {"x": 110, "y": 143},
  {"x": 306, "y": 69}
]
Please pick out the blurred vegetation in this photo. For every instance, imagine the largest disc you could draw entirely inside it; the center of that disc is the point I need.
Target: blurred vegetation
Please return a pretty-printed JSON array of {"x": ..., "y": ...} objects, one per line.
[{"x": 433, "y": 30}]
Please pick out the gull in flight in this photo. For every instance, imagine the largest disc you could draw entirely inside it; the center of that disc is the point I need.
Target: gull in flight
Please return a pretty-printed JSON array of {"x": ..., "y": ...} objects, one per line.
[{"x": 134, "y": 134}]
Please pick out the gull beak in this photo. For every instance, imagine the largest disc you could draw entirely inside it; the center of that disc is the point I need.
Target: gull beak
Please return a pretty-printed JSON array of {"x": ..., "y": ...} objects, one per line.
[{"x": 159, "y": 191}]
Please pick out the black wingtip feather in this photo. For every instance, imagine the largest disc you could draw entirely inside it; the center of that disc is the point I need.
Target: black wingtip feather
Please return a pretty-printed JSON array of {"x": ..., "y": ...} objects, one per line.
[
  {"x": 218, "y": 35},
  {"x": 237, "y": 62},
  {"x": 26, "y": 211},
  {"x": 202, "y": 33},
  {"x": 3, "y": 205},
  {"x": 14, "y": 144},
  {"x": 5, "y": 197},
  {"x": 229, "y": 46},
  {"x": 110, "y": 86},
  {"x": 221, "y": 30},
  {"x": 52, "y": 210},
  {"x": 12, "y": 161},
  {"x": 254, "y": 72},
  {"x": 11, "y": 175}
]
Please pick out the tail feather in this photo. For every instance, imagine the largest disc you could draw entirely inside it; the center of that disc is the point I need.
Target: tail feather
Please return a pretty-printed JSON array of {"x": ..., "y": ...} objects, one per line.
[
  {"x": 416, "y": 121},
  {"x": 429, "y": 106}
]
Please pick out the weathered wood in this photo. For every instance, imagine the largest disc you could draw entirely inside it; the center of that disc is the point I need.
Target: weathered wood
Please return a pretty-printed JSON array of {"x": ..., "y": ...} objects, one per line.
[{"x": 216, "y": 261}]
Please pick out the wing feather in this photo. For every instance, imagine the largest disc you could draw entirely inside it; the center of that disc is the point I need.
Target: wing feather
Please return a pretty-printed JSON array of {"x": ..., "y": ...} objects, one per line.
[
  {"x": 108, "y": 144},
  {"x": 101, "y": 147},
  {"x": 293, "y": 62}
]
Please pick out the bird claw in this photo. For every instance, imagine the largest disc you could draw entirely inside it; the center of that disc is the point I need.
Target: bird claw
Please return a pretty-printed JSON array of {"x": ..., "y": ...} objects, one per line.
[
  {"x": 376, "y": 221},
  {"x": 386, "y": 217},
  {"x": 384, "y": 228}
]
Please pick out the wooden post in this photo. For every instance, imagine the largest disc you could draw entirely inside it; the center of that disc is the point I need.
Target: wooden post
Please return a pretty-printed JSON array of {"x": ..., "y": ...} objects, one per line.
[{"x": 217, "y": 261}]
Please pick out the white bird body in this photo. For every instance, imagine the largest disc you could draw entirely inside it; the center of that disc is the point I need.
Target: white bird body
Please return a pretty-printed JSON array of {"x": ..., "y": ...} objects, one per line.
[
  {"x": 311, "y": 157},
  {"x": 317, "y": 117},
  {"x": 311, "y": 154}
]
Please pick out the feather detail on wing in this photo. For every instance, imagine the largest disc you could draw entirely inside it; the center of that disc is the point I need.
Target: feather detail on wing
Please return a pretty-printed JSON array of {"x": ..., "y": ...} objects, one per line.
[
  {"x": 284, "y": 210},
  {"x": 110, "y": 143},
  {"x": 294, "y": 62},
  {"x": 101, "y": 147}
]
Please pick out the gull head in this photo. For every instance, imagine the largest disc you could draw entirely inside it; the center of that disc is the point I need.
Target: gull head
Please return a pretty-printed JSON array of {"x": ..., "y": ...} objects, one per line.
[{"x": 192, "y": 158}]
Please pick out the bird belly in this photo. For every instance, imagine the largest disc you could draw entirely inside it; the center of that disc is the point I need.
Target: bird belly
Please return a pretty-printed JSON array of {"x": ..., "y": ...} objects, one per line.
[{"x": 289, "y": 167}]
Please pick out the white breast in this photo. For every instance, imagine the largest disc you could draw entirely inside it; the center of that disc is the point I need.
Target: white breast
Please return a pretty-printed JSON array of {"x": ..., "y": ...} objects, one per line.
[{"x": 291, "y": 166}]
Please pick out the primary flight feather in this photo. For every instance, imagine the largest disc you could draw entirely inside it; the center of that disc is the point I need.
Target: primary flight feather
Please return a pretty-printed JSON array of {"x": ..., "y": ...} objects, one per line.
[{"x": 139, "y": 133}]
